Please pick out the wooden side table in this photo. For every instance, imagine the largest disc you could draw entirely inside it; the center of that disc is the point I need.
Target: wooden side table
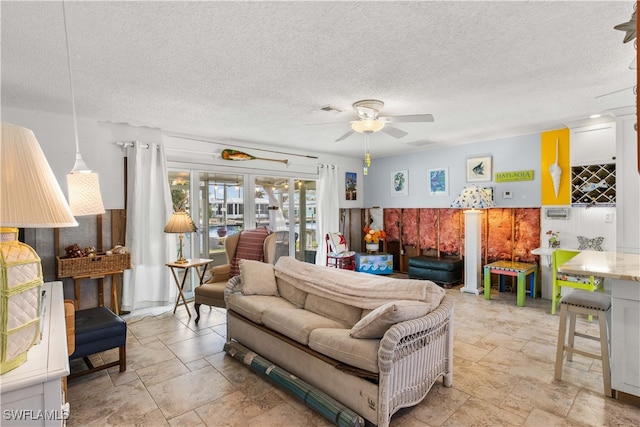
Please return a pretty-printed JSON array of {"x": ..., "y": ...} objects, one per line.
[
  {"x": 511, "y": 268},
  {"x": 199, "y": 265}
]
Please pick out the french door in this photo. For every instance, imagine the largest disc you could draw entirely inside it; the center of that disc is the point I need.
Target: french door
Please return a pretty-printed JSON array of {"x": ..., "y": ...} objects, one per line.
[{"x": 227, "y": 203}]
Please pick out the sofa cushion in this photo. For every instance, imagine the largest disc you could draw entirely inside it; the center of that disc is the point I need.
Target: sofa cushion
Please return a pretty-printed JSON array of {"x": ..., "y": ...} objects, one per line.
[
  {"x": 257, "y": 278},
  {"x": 297, "y": 323},
  {"x": 343, "y": 313},
  {"x": 376, "y": 323},
  {"x": 289, "y": 292},
  {"x": 337, "y": 344},
  {"x": 250, "y": 246},
  {"x": 253, "y": 306}
]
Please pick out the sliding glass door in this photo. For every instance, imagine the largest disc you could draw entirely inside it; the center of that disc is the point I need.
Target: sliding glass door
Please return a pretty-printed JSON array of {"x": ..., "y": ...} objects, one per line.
[{"x": 226, "y": 203}]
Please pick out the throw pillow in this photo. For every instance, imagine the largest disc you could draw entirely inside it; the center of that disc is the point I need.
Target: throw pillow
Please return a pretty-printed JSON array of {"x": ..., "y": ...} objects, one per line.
[
  {"x": 586, "y": 243},
  {"x": 250, "y": 246},
  {"x": 337, "y": 242},
  {"x": 257, "y": 278},
  {"x": 376, "y": 323}
]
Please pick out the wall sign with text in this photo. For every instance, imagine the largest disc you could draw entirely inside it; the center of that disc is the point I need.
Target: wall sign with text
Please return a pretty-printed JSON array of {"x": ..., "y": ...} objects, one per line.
[{"x": 524, "y": 175}]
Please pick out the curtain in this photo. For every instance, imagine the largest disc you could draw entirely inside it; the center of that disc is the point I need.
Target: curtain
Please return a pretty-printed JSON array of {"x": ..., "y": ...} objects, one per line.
[
  {"x": 149, "y": 208},
  {"x": 327, "y": 208}
]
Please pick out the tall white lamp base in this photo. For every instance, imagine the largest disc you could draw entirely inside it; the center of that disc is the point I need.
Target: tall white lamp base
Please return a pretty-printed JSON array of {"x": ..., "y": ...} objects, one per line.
[
  {"x": 472, "y": 249},
  {"x": 470, "y": 290}
]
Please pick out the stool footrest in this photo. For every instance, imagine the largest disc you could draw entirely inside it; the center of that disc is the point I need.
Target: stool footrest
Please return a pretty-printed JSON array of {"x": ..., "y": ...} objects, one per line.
[{"x": 582, "y": 352}]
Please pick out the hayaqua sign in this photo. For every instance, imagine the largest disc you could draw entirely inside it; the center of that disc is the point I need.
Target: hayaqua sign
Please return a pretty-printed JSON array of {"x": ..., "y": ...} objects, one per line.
[{"x": 526, "y": 175}]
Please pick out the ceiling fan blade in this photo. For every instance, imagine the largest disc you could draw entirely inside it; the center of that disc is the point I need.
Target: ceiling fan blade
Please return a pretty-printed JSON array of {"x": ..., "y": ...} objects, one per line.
[
  {"x": 394, "y": 132},
  {"x": 345, "y": 136},
  {"x": 415, "y": 118}
]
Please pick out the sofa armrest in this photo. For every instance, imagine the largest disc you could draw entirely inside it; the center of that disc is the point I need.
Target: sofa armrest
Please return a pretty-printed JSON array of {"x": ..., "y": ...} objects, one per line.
[
  {"x": 233, "y": 286},
  {"x": 431, "y": 334},
  {"x": 219, "y": 273}
]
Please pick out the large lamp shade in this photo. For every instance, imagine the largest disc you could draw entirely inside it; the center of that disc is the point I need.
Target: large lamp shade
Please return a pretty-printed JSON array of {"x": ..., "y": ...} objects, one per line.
[{"x": 30, "y": 197}]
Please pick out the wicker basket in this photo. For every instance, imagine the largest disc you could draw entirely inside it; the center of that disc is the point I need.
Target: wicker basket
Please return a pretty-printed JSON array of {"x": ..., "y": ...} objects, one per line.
[{"x": 101, "y": 263}]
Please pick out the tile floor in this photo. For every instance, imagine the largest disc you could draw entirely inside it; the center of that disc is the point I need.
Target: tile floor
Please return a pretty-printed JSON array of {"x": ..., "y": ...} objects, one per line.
[{"x": 177, "y": 374}]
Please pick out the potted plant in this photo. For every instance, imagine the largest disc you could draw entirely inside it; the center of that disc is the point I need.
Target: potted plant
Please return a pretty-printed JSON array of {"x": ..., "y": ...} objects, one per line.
[{"x": 372, "y": 239}]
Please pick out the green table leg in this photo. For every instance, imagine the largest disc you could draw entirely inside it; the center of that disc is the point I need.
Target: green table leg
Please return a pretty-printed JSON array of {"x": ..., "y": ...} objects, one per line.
[
  {"x": 521, "y": 288},
  {"x": 487, "y": 283}
]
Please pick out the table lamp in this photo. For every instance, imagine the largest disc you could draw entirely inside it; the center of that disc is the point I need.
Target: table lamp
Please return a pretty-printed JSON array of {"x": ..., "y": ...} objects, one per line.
[
  {"x": 180, "y": 222},
  {"x": 472, "y": 198},
  {"x": 30, "y": 197}
]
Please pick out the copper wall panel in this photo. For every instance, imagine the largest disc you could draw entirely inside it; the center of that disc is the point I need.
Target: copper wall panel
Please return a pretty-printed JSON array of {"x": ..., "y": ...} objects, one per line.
[
  {"x": 526, "y": 233},
  {"x": 499, "y": 239},
  {"x": 428, "y": 218},
  {"x": 450, "y": 234},
  {"x": 410, "y": 227},
  {"x": 391, "y": 220}
]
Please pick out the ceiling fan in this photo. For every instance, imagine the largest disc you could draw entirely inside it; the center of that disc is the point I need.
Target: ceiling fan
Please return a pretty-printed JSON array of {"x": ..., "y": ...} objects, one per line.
[{"x": 368, "y": 111}]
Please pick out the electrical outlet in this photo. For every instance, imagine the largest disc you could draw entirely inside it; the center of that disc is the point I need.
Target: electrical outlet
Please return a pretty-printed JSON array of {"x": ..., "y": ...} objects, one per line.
[
  {"x": 608, "y": 217},
  {"x": 507, "y": 195}
]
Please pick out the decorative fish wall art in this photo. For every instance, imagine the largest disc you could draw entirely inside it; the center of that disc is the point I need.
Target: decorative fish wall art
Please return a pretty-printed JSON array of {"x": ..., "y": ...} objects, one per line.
[{"x": 239, "y": 155}]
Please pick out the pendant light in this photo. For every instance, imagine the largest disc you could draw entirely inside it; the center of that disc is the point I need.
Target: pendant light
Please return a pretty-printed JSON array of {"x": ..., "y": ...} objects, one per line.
[{"x": 82, "y": 184}]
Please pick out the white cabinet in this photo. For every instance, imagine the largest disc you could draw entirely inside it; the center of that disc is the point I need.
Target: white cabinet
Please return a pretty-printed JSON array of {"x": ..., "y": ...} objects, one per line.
[
  {"x": 628, "y": 187},
  {"x": 625, "y": 336},
  {"x": 593, "y": 145},
  {"x": 32, "y": 392}
]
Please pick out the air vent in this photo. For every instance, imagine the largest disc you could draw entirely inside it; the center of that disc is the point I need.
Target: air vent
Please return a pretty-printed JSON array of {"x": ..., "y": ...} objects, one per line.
[
  {"x": 420, "y": 143},
  {"x": 556, "y": 213},
  {"x": 329, "y": 109}
]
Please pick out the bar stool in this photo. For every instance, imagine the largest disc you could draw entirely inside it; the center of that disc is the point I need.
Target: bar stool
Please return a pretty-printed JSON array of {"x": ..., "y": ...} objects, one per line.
[{"x": 591, "y": 304}]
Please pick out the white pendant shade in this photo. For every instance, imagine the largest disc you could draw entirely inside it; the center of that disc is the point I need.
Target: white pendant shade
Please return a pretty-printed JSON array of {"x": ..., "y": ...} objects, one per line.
[
  {"x": 30, "y": 195},
  {"x": 84, "y": 194}
]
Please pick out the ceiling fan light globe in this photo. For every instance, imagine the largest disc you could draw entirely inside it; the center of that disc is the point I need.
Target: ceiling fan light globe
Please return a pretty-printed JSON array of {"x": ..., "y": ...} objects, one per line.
[{"x": 367, "y": 125}]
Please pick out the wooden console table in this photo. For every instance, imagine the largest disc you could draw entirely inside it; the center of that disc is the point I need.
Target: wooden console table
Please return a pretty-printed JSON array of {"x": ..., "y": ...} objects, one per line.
[
  {"x": 100, "y": 277},
  {"x": 32, "y": 392}
]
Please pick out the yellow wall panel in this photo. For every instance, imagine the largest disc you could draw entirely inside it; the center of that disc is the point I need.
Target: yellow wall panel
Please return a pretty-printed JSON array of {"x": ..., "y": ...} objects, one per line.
[{"x": 548, "y": 159}]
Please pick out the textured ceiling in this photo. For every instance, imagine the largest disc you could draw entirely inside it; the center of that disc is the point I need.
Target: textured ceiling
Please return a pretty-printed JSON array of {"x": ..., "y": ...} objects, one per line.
[{"x": 256, "y": 71}]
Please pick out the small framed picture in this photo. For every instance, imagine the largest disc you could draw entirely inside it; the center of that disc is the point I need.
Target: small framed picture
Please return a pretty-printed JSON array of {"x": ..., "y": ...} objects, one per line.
[
  {"x": 479, "y": 169},
  {"x": 400, "y": 183},
  {"x": 351, "y": 186},
  {"x": 438, "y": 181}
]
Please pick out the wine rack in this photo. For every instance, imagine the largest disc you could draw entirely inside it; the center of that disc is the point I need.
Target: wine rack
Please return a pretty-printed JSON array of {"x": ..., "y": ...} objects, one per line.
[{"x": 593, "y": 185}]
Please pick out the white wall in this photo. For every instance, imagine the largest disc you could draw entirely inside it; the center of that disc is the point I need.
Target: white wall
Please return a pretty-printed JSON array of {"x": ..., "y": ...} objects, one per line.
[
  {"x": 97, "y": 145},
  {"x": 508, "y": 154}
]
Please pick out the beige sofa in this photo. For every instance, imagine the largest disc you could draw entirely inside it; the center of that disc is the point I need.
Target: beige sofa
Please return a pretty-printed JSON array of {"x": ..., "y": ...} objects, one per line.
[{"x": 374, "y": 344}]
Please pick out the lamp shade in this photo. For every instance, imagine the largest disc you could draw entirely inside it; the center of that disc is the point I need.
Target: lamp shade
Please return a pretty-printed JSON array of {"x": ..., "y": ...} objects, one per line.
[
  {"x": 473, "y": 197},
  {"x": 30, "y": 195},
  {"x": 84, "y": 193},
  {"x": 367, "y": 125},
  {"x": 180, "y": 222}
]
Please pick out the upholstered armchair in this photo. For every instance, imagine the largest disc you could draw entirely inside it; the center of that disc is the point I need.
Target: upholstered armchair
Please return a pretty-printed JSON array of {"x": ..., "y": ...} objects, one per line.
[{"x": 256, "y": 244}]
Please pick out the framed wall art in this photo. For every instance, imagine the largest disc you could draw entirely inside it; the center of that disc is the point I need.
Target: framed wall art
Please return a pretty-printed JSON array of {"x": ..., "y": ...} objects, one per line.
[
  {"x": 438, "y": 180},
  {"x": 400, "y": 183},
  {"x": 479, "y": 169},
  {"x": 351, "y": 186}
]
